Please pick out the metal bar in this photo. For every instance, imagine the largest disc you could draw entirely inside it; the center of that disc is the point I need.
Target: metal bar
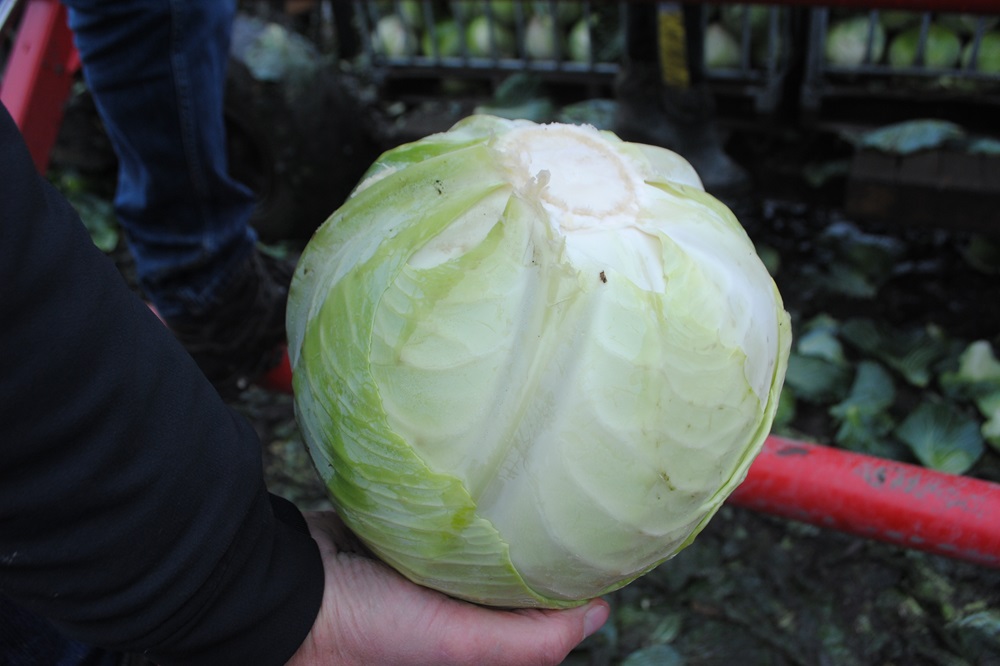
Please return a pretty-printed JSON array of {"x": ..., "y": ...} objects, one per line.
[
  {"x": 870, "y": 39},
  {"x": 901, "y": 504},
  {"x": 39, "y": 75},
  {"x": 424, "y": 65}
]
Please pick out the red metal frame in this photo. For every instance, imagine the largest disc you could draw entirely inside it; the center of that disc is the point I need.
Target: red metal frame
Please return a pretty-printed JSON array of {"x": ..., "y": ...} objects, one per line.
[
  {"x": 39, "y": 75},
  {"x": 871, "y": 497}
]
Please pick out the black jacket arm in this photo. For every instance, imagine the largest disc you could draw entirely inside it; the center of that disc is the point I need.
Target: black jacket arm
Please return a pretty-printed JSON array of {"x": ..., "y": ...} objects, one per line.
[{"x": 133, "y": 513}]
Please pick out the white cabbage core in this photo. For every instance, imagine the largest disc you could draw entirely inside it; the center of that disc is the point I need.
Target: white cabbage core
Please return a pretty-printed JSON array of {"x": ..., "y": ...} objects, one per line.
[{"x": 592, "y": 193}]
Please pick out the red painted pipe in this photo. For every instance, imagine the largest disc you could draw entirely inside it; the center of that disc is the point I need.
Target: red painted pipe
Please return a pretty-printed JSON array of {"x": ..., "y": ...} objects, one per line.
[
  {"x": 889, "y": 501},
  {"x": 279, "y": 378},
  {"x": 871, "y": 497}
]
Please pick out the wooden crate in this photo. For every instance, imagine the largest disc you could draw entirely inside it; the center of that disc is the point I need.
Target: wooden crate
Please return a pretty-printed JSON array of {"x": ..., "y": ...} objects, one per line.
[{"x": 940, "y": 188}]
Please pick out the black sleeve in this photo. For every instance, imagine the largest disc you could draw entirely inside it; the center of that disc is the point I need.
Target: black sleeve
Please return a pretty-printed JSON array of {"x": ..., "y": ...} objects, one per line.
[{"x": 133, "y": 513}]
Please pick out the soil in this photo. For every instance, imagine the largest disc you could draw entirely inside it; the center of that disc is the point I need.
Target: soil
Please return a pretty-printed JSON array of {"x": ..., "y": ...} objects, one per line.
[{"x": 754, "y": 589}]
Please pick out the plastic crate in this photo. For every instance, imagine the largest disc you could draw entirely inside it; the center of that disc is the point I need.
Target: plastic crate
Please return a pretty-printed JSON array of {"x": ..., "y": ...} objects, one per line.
[
  {"x": 749, "y": 49},
  {"x": 575, "y": 43},
  {"x": 584, "y": 50},
  {"x": 875, "y": 85}
]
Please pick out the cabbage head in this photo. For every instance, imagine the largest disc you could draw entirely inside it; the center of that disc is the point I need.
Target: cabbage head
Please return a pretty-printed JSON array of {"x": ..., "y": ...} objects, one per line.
[
  {"x": 942, "y": 47},
  {"x": 531, "y": 361},
  {"x": 987, "y": 58},
  {"x": 722, "y": 50},
  {"x": 854, "y": 41}
]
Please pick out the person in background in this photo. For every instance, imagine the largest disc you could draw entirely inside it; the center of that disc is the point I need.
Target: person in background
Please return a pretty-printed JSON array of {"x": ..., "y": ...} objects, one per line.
[
  {"x": 133, "y": 511},
  {"x": 157, "y": 73},
  {"x": 663, "y": 98}
]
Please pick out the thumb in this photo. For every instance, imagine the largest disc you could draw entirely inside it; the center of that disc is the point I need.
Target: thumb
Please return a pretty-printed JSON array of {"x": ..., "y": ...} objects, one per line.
[
  {"x": 591, "y": 617},
  {"x": 533, "y": 636}
]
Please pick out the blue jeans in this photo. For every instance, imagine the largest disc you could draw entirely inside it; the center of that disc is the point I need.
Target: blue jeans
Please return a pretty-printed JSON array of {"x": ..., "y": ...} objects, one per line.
[{"x": 157, "y": 71}]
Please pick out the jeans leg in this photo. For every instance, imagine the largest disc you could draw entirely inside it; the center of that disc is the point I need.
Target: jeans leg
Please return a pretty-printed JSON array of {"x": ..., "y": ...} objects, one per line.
[{"x": 157, "y": 71}]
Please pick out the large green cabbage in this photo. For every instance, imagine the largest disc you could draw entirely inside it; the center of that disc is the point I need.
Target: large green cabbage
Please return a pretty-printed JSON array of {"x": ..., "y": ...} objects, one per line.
[
  {"x": 987, "y": 54},
  {"x": 854, "y": 41},
  {"x": 942, "y": 47},
  {"x": 532, "y": 361}
]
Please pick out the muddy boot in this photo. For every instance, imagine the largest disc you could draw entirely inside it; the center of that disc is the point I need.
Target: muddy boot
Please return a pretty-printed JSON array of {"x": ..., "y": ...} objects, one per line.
[
  {"x": 682, "y": 120},
  {"x": 242, "y": 337}
]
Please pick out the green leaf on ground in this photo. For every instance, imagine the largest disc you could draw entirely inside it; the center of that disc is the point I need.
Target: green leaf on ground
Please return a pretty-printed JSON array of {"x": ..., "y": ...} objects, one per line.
[
  {"x": 654, "y": 655},
  {"x": 912, "y": 353},
  {"x": 912, "y": 136},
  {"x": 819, "y": 340},
  {"x": 942, "y": 437},
  {"x": 872, "y": 391},
  {"x": 978, "y": 372},
  {"x": 863, "y": 415},
  {"x": 989, "y": 405},
  {"x": 816, "y": 379}
]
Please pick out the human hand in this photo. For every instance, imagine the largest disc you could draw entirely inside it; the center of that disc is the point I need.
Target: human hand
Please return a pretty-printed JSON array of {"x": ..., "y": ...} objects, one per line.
[{"x": 372, "y": 615}]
